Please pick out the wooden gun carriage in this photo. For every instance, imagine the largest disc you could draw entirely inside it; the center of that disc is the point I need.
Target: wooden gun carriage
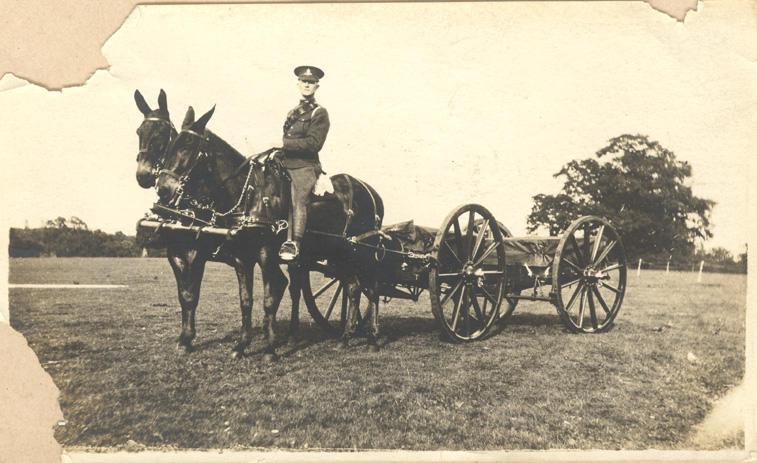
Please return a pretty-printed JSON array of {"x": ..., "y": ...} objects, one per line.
[{"x": 474, "y": 271}]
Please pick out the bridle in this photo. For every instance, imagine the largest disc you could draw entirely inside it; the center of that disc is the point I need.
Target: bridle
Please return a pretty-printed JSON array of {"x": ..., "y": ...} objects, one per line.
[
  {"x": 202, "y": 155},
  {"x": 157, "y": 164}
]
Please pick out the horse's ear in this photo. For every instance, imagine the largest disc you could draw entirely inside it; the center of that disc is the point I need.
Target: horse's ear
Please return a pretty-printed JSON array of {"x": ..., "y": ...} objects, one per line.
[
  {"x": 141, "y": 103},
  {"x": 188, "y": 119},
  {"x": 199, "y": 126},
  {"x": 162, "y": 104}
]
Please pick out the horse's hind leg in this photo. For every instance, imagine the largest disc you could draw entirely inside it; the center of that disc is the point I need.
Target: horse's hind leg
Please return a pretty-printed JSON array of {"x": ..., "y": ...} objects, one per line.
[
  {"x": 353, "y": 295},
  {"x": 296, "y": 273},
  {"x": 373, "y": 310},
  {"x": 188, "y": 267},
  {"x": 245, "y": 276}
]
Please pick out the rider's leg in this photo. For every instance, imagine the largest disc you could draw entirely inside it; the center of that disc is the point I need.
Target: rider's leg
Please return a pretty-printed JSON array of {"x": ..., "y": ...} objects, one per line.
[{"x": 303, "y": 183}]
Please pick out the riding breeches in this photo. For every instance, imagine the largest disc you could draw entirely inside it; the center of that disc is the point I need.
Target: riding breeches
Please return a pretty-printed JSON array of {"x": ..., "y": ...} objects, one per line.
[{"x": 303, "y": 183}]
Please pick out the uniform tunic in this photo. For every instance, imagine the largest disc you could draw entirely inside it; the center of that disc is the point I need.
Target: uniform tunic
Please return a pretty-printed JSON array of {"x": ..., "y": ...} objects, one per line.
[{"x": 305, "y": 132}]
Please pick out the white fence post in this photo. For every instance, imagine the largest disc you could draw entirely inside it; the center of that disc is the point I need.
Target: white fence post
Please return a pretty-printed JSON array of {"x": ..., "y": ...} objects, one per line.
[
  {"x": 699, "y": 277},
  {"x": 638, "y": 269}
]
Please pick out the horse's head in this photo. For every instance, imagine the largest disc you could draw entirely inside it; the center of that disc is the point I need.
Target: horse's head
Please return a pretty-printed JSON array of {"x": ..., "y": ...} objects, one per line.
[
  {"x": 185, "y": 160},
  {"x": 268, "y": 197},
  {"x": 155, "y": 134}
]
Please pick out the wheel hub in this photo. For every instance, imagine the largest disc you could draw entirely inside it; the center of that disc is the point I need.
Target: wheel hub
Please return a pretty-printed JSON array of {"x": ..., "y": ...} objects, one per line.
[
  {"x": 473, "y": 274},
  {"x": 592, "y": 276}
]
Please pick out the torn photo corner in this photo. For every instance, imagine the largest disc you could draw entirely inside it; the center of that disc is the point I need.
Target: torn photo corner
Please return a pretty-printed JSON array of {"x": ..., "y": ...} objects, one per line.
[{"x": 486, "y": 128}]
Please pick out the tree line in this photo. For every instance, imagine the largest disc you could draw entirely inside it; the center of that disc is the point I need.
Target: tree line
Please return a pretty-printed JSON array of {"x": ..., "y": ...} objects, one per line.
[{"x": 61, "y": 237}]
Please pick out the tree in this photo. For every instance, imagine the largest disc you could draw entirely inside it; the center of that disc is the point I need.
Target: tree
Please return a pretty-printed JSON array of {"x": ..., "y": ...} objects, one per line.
[
  {"x": 640, "y": 187},
  {"x": 743, "y": 259}
]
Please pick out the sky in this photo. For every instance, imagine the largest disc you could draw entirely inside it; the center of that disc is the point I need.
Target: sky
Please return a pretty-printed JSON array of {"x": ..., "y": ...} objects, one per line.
[{"x": 433, "y": 104}]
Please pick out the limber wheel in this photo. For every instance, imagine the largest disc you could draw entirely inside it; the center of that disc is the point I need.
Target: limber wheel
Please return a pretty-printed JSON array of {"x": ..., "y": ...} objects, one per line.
[
  {"x": 328, "y": 303},
  {"x": 589, "y": 275},
  {"x": 466, "y": 286}
]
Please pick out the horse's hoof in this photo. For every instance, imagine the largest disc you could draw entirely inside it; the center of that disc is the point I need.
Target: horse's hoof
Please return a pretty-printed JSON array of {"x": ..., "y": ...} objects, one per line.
[
  {"x": 341, "y": 345},
  {"x": 269, "y": 357},
  {"x": 184, "y": 346},
  {"x": 374, "y": 347},
  {"x": 237, "y": 354}
]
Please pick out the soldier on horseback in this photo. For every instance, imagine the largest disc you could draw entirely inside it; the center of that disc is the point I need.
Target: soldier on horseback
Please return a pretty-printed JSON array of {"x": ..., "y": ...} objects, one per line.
[{"x": 305, "y": 131}]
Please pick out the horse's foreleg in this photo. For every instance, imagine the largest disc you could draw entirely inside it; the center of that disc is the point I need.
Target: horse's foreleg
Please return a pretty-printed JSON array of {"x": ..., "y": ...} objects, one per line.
[
  {"x": 245, "y": 274},
  {"x": 296, "y": 274},
  {"x": 274, "y": 285},
  {"x": 188, "y": 268}
]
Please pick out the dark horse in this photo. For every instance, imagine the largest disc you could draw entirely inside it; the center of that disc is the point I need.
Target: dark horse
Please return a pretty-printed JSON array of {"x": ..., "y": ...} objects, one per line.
[
  {"x": 198, "y": 158},
  {"x": 186, "y": 254},
  {"x": 155, "y": 134}
]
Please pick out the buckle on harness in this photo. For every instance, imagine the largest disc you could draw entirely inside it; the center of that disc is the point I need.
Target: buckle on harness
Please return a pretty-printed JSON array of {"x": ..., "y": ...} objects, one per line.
[{"x": 280, "y": 226}]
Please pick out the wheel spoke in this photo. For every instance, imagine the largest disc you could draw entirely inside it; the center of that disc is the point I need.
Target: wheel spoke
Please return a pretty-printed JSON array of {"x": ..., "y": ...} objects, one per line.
[
  {"x": 446, "y": 243},
  {"x": 486, "y": 253},
  {"x": 610, "y": 287},
  {"x": 466, "y": 318},
  {"x": 597, "y": 241},
  {"x": 323, "y": 288},
  {"x": 581, "y": 309},
  {"x": 479, "y": 238},
  {"x": 592, "y": 310},
  {"x": 450, "y": 275},
  {"x": 332, "y": 303},
  {"x": 488, "y": 273},
  {"x": 451, "y": 293},
  {"x": 579, "y": 289},
  {"x": 456, "y": 310},
  {"x": 488, "y": 296},
  {"x": 458, "y": 239},
  {"x": 469, "y": 235},
  {"x": 578, "y": 269},
  {"x": 612, "y": 267},
  {"x": 601, "y": 301},
  {"x": 576, "y": 250},
  {"x": 587, "y": 239},
  {"x": 477, "y": 308},
  {"x": 569, "y": 284},
  {"x": 605, "y": 252}
]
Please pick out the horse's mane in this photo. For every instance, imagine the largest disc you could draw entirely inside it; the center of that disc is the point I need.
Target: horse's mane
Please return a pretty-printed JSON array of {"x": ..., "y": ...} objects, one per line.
[{"x": 221, "y": 143}]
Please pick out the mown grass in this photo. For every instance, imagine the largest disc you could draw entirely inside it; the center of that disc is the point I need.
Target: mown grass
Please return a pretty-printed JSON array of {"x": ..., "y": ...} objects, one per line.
[{"x": 533, "y": 385}]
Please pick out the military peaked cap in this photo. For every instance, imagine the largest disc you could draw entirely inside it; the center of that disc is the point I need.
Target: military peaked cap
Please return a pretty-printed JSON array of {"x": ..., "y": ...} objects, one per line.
[{"x": 308, "y": 73}]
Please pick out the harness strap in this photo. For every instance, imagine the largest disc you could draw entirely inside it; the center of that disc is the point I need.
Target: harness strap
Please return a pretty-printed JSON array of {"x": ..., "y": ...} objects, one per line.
[
  {"x": 373, "y": 201},
  {"x": 349, "y": 212}
]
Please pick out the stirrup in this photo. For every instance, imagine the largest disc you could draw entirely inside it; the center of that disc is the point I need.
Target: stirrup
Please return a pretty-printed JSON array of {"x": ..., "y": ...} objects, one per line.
[{"x": 289, "y": 251}]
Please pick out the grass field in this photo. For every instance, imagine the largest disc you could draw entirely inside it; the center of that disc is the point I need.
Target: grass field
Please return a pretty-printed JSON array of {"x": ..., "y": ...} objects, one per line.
[{"x": 533, "y": 385}]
